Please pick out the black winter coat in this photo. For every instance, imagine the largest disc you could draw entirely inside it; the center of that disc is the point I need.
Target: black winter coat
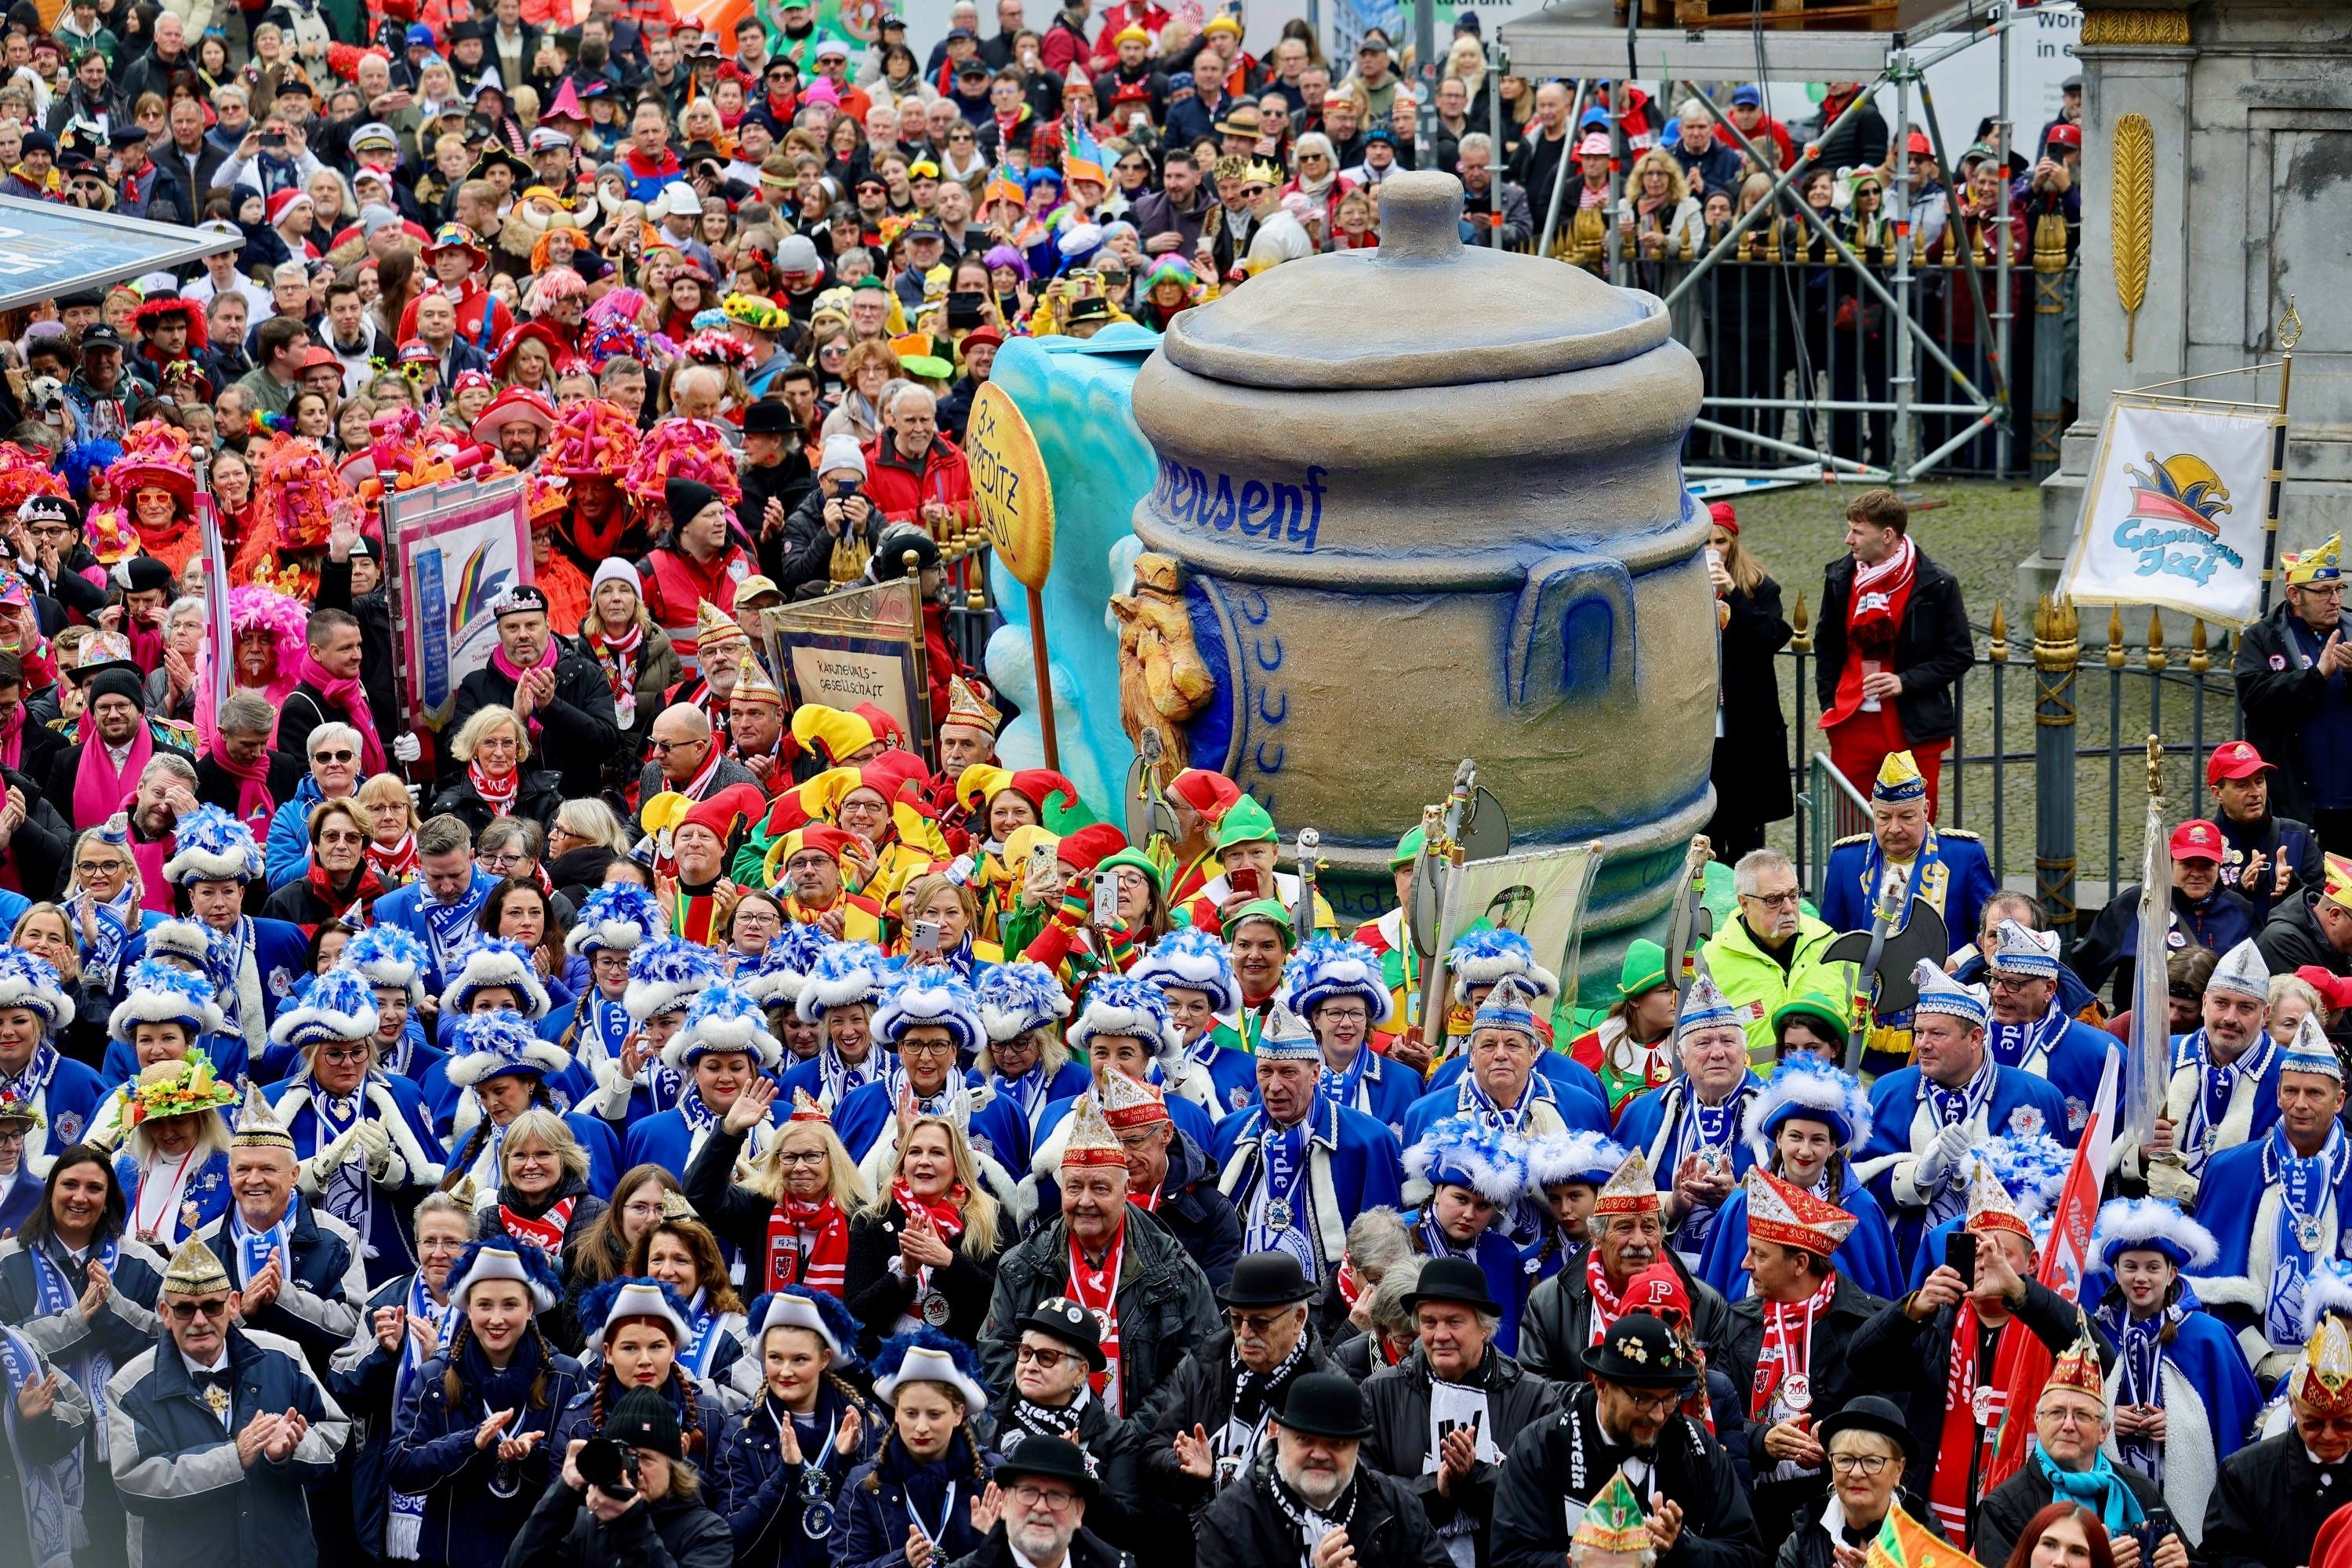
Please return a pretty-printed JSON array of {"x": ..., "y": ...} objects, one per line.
[
  {"x": 1198, "y": 1215},
  {"x": 1808, "y": 1545},
  {"x": 1399, "y": 1445},
  {"x": 676, "y": 1532},
  {"x": 1564, "y": 1458},
  {"x": 39, "y": 854},
  {"x": 1558, "y": 1321},
  {"x": 538, "y": 797},
  {"x": 2269, "y": 1505},
  {"x": 879, "y": 1298},
  {"x": 1245, "y": 1528},
  {"x": 373, "y": 610},
  {"x": 1752, "y": 778},
  {"x": 1118, "y": 1513},
  {"x": 1087, "y": 1550},
  {"x": 2277, "y": 688},
  {"x": 577, "y": 730},
  {"x": 2292, "y": 938},
  {"x": 2006, "y": 1511},
  {"x": 1827, "y": 1363},
  {"x": 1202, "y": 1395},
  {"x": 1163, "y": 1300},
  {"x": 1933, "y": 647}
]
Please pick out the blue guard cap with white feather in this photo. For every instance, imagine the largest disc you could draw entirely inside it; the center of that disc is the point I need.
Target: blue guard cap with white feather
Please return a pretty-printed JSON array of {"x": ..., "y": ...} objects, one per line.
[
  {"x": 2326, "y": 1293},
  {"x": 158, "y": 992},
  {"x": 491, "y": 961},
  {"x": 1017, "y": 997},
  {"x": 1327, "y": 968},
  {"x": 339, "y": 1005},
  {"x": 190, "y": 941},
  {"x": 1121, "y": 1007},
  {"x": 1939, "y": 993},
  {"x": 927, "y": 1355},
  {"x": 1805, "y": 1088},
  {"x": 664, "y": 975},
  {"x": 1482, "y": 956},
  {"x": 618, "y": 917},
  {"x": 484, "y": 1045},
  {"x": 776, "y": 980},
  {"x": 1463, "y": 1152},
  {"x": 390, "y": 957},
  {"x": 1574, "y": 1157},
  {"x": 931, "y": 993},
  {"x": 2151, "y": 1225},
  {"x": 1192, "y": 959},
  {"x": 210, "y": 846},
  {"x": 2031, "y": 1168},
  {"x": 615, "y": 1302},
  {"x": 29, "y": 982},
  {"x": 498, "y": 1258},
  {"x": 724, "y": 1018},
  {"x": 844, "y": 973},
  {"x": 798, "y": 1306}
]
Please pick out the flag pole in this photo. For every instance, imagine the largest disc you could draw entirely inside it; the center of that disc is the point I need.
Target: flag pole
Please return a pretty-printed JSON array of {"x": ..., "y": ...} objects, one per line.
[{"x": 2290, "y": 332}]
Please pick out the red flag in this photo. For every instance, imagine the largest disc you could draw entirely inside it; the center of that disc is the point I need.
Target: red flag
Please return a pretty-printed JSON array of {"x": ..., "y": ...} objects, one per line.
[{"x": 2024, "y": 1363}]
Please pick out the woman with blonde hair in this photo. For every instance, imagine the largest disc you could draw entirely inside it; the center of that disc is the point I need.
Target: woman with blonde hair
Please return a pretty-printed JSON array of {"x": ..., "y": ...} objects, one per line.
[
  {"x": 45, "y": 930},
  {"x": 864, "y": 373},
  {"x": 104, "y": 898},
  {"x": 390, "y": 812},
  {"x": 541, "y": 1198},
  {"x": 494, "y": 746},
  {"x": 924, "y": 1252},
  {"x": 789, "y": 1211},
  {"x": 1658, "y": 213},
  {"x": 951, "y": 910}
]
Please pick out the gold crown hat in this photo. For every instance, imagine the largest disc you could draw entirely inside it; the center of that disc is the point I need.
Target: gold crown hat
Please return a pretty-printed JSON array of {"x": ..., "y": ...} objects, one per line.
[
  {"x": 713, "y": 624},
  {"x": 194, "y": 1269},
  {"x": 1899, "y": 779},
  {"x": 1091, "y": 1142},
  {"x": 257, "y": 1126},
  {"x": 1613, "y": 1522},
  {"x": 752, "y": 682},
  {"x": 1127, "y": 1104},
  {"x": 1259, "y": 170},
  {"x": 2322, "y": 563},
  {"x": 1633, "y": 1190},
  {"x": 2079, "y": 1370},
  {"x": 968, "y": 708},
  {"x": 2323, "y": 1383}
]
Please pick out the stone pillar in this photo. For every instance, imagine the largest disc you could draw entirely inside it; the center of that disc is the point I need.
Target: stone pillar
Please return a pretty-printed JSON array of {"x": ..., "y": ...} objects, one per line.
[{"x": 2250, "y": 107}]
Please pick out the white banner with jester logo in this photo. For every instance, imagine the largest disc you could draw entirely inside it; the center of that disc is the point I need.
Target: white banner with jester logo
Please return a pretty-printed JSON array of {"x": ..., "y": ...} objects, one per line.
[{"x": 2173, "y": 514}]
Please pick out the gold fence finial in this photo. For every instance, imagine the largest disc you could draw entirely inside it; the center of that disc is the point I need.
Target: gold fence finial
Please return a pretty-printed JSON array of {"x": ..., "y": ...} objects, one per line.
[
  {"x": 2156, "y": 766},
  {"x": 2290, "y": 327},
  {"x": 1801, "y": 622},
  {"x": 2116, "y": 638},
  {"x": 2157, "y": 657},
  {"x": 1998, "y": 649},
  {"x": 2199, "y": 658}
]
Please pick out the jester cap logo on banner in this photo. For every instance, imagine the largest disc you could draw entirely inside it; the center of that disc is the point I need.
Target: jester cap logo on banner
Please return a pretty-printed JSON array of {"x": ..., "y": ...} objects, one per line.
[{"x": 2184, "y": 489}]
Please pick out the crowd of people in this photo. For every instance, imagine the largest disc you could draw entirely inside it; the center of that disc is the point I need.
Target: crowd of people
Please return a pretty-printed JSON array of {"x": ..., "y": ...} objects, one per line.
[{"x": 650, "y": 1121}]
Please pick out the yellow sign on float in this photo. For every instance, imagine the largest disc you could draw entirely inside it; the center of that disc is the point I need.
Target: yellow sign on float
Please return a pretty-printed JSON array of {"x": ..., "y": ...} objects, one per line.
[{"x": 1009, "y": 487}]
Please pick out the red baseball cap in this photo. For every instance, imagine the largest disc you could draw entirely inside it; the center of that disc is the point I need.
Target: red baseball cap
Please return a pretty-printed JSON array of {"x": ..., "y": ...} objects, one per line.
[
  {"x": 2197, "y": 839},
  {"x": 2237, "y": 759},
  {"x": 1919, "y": 146},
  {"x": 2065, "y": 135}
]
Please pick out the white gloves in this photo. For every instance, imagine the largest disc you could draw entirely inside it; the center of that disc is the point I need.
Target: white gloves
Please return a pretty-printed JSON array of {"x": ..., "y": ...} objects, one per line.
[
  {"x": 374, "y": 1144},
  {"x": 406, "y": 747},
  {"x": 1944, "y": 1154}
]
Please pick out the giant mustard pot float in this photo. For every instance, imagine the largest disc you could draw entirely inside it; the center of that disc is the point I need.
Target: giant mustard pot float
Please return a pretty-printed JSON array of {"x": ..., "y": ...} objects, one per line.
[{"x": 1429, "y": 505}]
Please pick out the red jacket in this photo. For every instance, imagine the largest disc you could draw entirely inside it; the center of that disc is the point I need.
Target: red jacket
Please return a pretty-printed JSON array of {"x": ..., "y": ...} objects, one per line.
[
  {"x": 902, "y": 493},
  {"x": 676, "y": 585}
]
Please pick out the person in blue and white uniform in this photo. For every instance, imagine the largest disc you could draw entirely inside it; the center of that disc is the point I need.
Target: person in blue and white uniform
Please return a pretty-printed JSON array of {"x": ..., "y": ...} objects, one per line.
[
  {"x": 2183, "y": 1397},
  {"x": 34, "y": 1008},
  {"x": 1804, "y": 1129},
  {"x": 500, "y": 977},
  {"x": 1480, "y": 961},
  {"x": 497, "y": 1056},
  {"x": 2030, "y": 1029},
  {"x": 784, "y": 1458},
  {"x": 775, "y": 979},
  {"x": 719, "y": 1048},
  {"x": 1503, "y": 1081},
  {"x": 1567, "y": 1171},
  {"x": 393, "y": 962},
  {"x": 1194, "y": 970},
  {"x": 594, "y": 1028},
  {"x": 2224, "y": 1086},
  {"x": 839, "y": 996},
  {"x": 1476, "y": 1174},
  {"x": 930, "y": 1021},
  {"x": 1335, "y": 986},
  {"x": 1022, "y": 1005},
  {"x": 253, "y": 964},
  {"x": 2277, "y": 1206},
  {"x": 1694, "y": 1130},
  {"x": 681, "y": 1251},
  {"x": 173, "y": 946}
]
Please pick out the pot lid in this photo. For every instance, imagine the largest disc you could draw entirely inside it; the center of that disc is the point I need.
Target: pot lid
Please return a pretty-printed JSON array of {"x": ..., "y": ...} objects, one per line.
[{"x": 1421, "y": 308}]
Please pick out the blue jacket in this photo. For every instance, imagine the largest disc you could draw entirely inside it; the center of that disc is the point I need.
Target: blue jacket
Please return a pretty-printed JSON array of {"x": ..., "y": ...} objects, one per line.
[
  {"x": 760, "y": 1496},
  {"x": 203, "y": 1199},
  {"x": 1565, "y": 1074},
  {"x": 1387, "y": 1090},
  {"x": 175, "y": 1462},
  {"x": 1579, "y": 1111},
  {"x": 2018, "y": 1105},
  {"x": 281, "y": 959},
  {"x": 998, "y": 1129},
  {"x": 67, "y": 1103},
  {"x": 318, "y": 1309},
  {"x": 417, "y": 1162},
  {"x": 364, "y": 1388},
  {"x": 403, "y": 907},
  {"x": 1951, "y": 872},
  {"x": 872, "y": 1519},
  {"x": 1867, "y": 1257},
  {"x": 1366, "y": 1163},
  {"x": 473, "y": 1505},
  {"x": 290, "y": 836}
]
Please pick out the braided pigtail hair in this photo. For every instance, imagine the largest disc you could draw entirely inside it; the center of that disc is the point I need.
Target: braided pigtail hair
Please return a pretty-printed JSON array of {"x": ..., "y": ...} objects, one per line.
[
  {"x": 453, "y": 1388},
  {"x": 596, "y": 1400},
  {"x": 691, "y": 1438},
  {"x": 546, "y": 1362},
  {"x": 978, "y": 1460},
  {"x": 465, "y": 1156}
]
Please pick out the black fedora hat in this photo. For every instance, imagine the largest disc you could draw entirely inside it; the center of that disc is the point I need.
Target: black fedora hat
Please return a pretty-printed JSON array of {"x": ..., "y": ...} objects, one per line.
[
  {"x": 1871, "y": 1412},
  {"x": 1053, "y": 1459},
  {"x": 1457, "y": 1280},
  {"x": 1326, "y": 1405},
  {"x": 1267, "y": 1280},
  {"x": 1640, "y": 1350},
  {"x": 1059, "y": 1317}
]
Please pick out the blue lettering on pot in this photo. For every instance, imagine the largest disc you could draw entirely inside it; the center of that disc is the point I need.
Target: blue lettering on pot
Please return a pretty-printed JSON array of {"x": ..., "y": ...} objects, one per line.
[{"x": 1284, "y": 515}]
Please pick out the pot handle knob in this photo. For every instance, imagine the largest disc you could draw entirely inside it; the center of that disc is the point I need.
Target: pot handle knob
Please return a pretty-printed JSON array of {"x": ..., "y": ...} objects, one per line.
[
  {"x": 1421, "y": 215},
  {"x": 1573, "y": 638}
]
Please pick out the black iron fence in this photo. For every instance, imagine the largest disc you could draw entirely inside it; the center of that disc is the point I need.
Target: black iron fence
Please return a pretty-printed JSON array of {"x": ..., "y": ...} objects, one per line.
[{"x": 2046, "y": 731}]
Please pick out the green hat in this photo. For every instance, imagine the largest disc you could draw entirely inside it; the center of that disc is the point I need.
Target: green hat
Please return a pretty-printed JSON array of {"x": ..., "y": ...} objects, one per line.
[
  {"x": 1408, "y": 850},
  {"x": 1812, "y": 1004},
  {"x": 871, "y": 280},
  {"x": 1141, "y": 862},
  {"x": 930, "y": 367},
  {"x": 1244, "y": 822},
  {"x": 1645, "y": 969},
  {"x": 1268, "y": 910}
]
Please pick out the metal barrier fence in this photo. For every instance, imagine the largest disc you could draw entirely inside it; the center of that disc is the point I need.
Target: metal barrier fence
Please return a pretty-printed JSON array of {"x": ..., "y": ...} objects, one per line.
[{"x": 1994, "y": 783}]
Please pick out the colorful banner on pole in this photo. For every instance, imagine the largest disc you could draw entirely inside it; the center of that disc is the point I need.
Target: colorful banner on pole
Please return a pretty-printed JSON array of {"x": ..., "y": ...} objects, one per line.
[
  {"x": 1542, "y": 895},
  {"x": 861, "y": 645},
  {"x": 2174, "y": 511},
  {"x": 455, "y": 547},
  {"x": 220, "y": 635}
]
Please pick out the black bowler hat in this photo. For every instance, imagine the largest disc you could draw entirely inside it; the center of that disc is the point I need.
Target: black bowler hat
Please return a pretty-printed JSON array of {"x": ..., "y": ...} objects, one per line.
[
  {"x": 1051, "y": 1459},
  {"x": 771, "y": 416},
  {"x": 1326, "y": 1404},
  {"x": 1869, "y": 1413},
  {"x": 1267, "y": 1280},
  {"x": 1456, "y": 1279},
  {"x": 1642, "y": 1351},
  {"x": 1059, "y": 1317}
]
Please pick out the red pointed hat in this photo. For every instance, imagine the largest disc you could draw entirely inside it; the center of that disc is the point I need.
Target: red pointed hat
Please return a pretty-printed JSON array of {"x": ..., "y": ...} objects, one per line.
[
  {"x": 1206, "y": 793},
  {"x": 1790, "y": 1217},
  {"x": 892, "y": 770},
  {"x": 726, "y": 812},
  {"x": 1085, "y": 849}
]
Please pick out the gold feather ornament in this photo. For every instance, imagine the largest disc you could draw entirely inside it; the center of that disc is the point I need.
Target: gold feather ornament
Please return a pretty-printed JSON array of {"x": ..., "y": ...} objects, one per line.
[{"x": 2132, "y": 217}]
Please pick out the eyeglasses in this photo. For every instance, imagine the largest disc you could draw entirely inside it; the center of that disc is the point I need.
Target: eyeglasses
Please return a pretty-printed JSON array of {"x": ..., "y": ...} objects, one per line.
[
  {"x": 1858, "y": 1464},
  {"x": 13, "y": 1134},
  {"x": 663, "y": 748},
  {"x": 346, "y": 1056},
  {"x": 1660, "y": 1402},
  {"x": 2068, "y": 1416},
  {"x": 1787, "y": 900},
  {"x": 335, "y": 757},
  {"x": 1028, "y": 1496},
  {"x": 1256, "y": 1322},
  {"x": 642, "y": 1211},
  {"x": 500, "y": 860},
  {"x": 800, "y": 1156},
  {"x": 86, "y": 869},
  {"x": 189, "y": 1312},
  {"x": 1046, "y": 1360}
]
